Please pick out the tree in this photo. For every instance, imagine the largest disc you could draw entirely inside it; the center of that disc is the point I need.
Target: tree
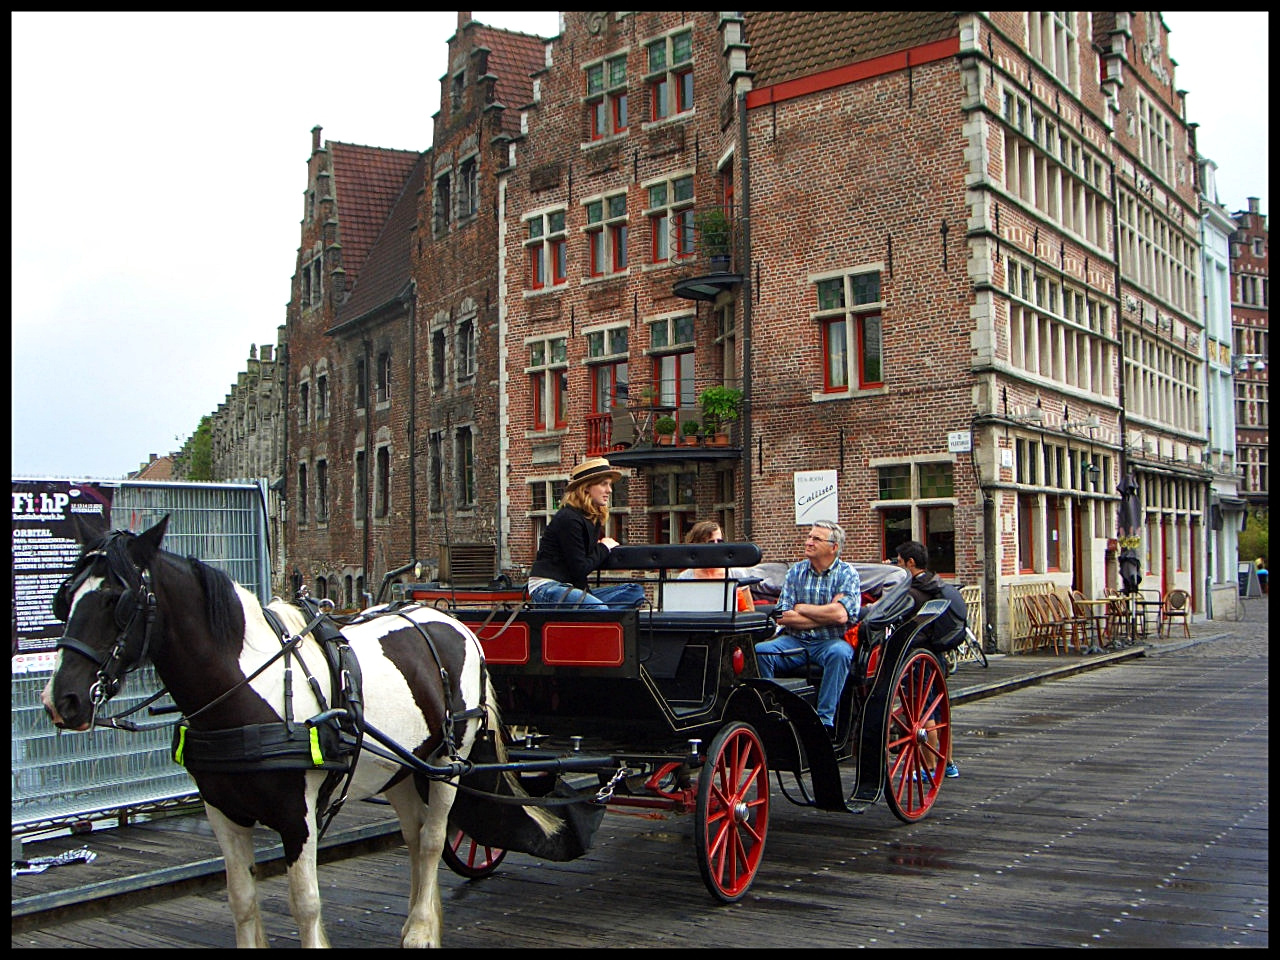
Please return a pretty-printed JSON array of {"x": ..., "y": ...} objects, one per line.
[{"x": 195, "y": 460}]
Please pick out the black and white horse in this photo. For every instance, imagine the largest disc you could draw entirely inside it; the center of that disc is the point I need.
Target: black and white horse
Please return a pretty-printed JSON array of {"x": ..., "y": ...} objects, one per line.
[{"x": 424, "y": 686}]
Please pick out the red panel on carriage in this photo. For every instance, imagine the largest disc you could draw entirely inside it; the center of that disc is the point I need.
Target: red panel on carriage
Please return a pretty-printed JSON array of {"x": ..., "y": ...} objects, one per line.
[
  {"x": 504, "y": 642},
  {"x": 583, "y": 644}
]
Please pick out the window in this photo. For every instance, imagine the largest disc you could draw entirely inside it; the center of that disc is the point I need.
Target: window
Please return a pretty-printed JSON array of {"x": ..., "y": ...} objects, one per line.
[
  {"x": 443, "y": 201},
  {"x": 1051, "y": 39},
  {"x": 727, "y": 343},
  {"x": 322, "y": 397},
  {"x": 322, "y": 490},
  {"x": 464, "y": 465},
  {"x": 360, "y": 485},
  {"x": 545, "y": 244},
  {"x": 544, "y": 501},
  {"x": 384, "y": 377},
  {"x": 919, "y": 495},
  {"x": 670, "y": 75},
  {"x": 304, "y": 403},
  {"x": 549, "y": 382},
  {"x": 671, "y": 345},
  {"x": 1052, "y": 522},
  {"x": 435, "y": 474},
  {"x": 468, "y": 188},
  {"x": 302, "y": 493},
  {"x": 382, "y": 482},
  {"x": 1026, "y": 529},
  {"x": 607, "y": 235},
  {"x": 456, "y": 88},
  {"x": 360, "y": 384},
  {"x": 317, "y": 292},
  {"x": 670, "y": 216},
  {"x": 673, "y": 507},
  {"x": 1155, "y": 138},
  {"x": 849, "y": 319},
  {"x": 606, "y": 85},
  {"x": 467, "y": 349},
  {"x": 607, "y": 358},
  {"x": 437, "y": 357}
]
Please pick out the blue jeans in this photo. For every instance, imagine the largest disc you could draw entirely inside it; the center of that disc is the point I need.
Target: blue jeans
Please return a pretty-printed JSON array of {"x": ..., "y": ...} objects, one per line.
[
  {"x": 613, "y": 596},
  {"x": 785, "y": 654}
]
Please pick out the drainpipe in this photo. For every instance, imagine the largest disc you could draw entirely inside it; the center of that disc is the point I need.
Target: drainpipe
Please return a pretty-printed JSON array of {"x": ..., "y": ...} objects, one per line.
[
  {"x": 412, "y": 295},
  {"x": 368, "y": 443},
  {"x": 745, "y": 224}
]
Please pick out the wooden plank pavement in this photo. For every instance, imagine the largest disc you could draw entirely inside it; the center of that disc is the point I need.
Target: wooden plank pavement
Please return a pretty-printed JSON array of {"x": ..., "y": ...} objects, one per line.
[{"x": 1067, "y": 827}]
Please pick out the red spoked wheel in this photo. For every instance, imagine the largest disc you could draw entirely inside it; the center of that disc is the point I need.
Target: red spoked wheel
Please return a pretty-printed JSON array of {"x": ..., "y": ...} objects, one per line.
[
  {"x": 918, "y": 740},
  {"x": 470, "y": 859},
  {"x": 732, "y": 811}
]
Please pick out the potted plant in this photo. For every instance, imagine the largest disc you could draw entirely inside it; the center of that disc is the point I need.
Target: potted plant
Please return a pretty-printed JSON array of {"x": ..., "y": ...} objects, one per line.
[
  {"x": 690, "y": 430},
  {"x": 665, "y": 430},
  {"x": 714, "y": 234},
  {"x": 720, "y": 405}
]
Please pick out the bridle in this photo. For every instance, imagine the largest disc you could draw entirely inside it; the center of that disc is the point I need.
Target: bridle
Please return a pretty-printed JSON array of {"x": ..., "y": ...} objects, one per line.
[{"x": 130, "y": 646}]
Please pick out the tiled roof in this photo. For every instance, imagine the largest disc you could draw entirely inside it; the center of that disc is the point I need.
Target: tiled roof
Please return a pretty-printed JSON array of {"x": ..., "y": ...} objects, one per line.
[
  {"x": 389, "y": 266},
  {"x": 791, "y": 44},
  {"x": 366, "y": 183},
  {"x": 161, "y": 468},
  {"x": 513, "y": 58}
]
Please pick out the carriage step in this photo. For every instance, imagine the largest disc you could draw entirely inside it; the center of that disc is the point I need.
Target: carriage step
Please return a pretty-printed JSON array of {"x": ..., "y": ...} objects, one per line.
[{"x": 800, "y": 687}]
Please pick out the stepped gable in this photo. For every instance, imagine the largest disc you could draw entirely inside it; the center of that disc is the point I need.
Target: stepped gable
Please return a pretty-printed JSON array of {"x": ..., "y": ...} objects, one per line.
[
  {"x": 366, "y": 183},
  {"x": 786, "y": 45},
  {"x": 513, "y": 59},
  {"x": 388, "y": 269}
]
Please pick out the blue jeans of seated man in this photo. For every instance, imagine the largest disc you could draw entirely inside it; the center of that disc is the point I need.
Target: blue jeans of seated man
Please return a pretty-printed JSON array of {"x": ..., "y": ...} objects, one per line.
[
  {"x": 785, "y": 654},
  {"x": 612, "y": 596}
]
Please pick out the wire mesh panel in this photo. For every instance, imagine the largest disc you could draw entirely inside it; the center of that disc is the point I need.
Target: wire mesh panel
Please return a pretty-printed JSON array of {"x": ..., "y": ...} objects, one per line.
[{"x": 59, "y": 777}]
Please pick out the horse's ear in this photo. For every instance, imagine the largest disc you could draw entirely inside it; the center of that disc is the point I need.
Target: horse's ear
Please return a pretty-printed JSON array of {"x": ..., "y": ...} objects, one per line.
[{"x": 147, "y": 544}]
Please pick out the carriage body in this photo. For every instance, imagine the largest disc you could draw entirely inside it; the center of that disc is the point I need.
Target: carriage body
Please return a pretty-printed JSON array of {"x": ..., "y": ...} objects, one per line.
[{"x": 675, "y": 700}]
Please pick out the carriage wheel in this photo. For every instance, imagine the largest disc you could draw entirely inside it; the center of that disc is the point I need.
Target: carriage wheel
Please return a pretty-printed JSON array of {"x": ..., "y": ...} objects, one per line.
[
  {"x": 470, "y": 859},
  {"x": 919, "y": 737},
  {"x": 732, "y": 812}
]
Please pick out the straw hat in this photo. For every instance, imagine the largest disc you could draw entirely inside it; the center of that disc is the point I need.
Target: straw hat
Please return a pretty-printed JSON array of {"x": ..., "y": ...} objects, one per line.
[{"x": 590, "y": 471}]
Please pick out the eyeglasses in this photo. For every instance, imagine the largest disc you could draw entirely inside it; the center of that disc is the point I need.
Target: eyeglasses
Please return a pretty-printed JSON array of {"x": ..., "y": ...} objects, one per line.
[{"x": 816, "y": 540}]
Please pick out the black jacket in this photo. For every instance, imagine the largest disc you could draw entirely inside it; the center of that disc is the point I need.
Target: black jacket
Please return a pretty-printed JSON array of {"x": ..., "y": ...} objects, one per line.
[
  {"x": 570, "y": 550},
  {"x": 948, "y": 630}
]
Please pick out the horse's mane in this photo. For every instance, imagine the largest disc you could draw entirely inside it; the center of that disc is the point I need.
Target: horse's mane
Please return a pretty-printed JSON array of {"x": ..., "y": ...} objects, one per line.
[{"x": 222, "y": 604}]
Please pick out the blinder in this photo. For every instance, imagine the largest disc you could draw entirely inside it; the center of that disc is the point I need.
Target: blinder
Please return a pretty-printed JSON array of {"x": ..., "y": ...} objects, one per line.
[{"x": 129, "y": 648}]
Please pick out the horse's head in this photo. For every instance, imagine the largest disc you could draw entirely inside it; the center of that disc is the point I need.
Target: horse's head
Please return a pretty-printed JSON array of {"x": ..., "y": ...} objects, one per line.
[{"x": 108, "y": 609}]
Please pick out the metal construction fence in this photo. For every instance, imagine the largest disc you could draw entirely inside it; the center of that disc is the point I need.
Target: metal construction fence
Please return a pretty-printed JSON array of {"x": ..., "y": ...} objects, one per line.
[{"x": 60, "y": 778}]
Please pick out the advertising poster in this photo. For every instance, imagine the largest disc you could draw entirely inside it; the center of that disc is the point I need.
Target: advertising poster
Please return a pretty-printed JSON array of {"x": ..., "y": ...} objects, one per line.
[
  {"x": 48, "y": 516},
  {"x": 816, "y": 496}
]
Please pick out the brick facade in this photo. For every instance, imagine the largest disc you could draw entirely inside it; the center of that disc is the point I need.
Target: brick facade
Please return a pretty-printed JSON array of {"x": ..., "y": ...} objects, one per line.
[{"x": 963, "y": 273}]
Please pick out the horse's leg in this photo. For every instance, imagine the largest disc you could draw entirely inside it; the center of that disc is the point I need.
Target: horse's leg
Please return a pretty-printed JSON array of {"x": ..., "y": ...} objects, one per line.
[
  {"x": 236, "y": 843},
  {"x": 424, "y": 827},
  {"x": 304, "y": 881}
]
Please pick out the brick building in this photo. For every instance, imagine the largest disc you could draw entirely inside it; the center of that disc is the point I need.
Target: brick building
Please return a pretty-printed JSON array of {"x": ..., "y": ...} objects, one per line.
[
  {"x": 961, "y": 297},
  {"x": 1251, "y": 353}
]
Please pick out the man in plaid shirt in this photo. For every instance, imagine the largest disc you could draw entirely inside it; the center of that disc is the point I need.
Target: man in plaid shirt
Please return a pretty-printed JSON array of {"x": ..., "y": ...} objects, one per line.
[{"x": 820, "y": 598}]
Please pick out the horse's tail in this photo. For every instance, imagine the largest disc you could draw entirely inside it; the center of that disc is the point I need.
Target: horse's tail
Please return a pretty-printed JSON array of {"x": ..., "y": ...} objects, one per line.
[{"x": 548, "y": 823}]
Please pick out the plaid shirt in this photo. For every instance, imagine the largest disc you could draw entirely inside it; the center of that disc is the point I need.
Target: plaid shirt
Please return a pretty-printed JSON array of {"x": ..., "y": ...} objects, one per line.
[{"x": 804, "y": 585}]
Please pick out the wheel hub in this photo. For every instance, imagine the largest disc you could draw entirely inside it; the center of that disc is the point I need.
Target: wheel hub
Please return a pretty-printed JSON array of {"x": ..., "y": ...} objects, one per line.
[{"x": 739, "y": 811}]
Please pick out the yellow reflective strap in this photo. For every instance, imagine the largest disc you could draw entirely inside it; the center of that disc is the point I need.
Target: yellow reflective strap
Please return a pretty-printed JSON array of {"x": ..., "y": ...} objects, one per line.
[
  {"x": 317, "y": 755},
  {"x": 182, "y": 744}
]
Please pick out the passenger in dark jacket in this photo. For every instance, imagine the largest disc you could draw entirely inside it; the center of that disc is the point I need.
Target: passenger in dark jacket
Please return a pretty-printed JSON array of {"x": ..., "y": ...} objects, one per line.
[
  {"x": 926, "y": 586},
  {"x": 574, "y": 546}
]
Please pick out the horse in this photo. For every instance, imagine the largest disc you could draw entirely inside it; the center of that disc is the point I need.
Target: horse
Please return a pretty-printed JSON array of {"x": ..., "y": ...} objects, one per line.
[{"x": 426, "y": 691}]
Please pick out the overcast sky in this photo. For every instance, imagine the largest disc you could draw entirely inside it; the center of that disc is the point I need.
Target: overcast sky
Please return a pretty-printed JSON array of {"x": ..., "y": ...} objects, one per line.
[{"x": 159, "y": 165}]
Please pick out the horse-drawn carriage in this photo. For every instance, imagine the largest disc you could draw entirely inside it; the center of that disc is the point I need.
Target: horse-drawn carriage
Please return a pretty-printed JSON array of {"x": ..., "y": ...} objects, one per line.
[{"x": 658, "y": 707}]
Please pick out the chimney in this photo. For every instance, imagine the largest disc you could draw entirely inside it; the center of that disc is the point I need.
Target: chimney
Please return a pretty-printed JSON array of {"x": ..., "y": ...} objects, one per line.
[
  {"x": 1254, "y": 204},
  {"x": 266, "y": 353},
  {"x": 463, "y": 19},
  {"x": 315, "y": 138}
]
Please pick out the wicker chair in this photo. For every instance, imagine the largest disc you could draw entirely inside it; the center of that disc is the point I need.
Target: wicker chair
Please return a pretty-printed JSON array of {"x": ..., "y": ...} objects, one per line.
[
  {"x": 1075, "y": 624},
  {"x": 1175, "y": 606}
]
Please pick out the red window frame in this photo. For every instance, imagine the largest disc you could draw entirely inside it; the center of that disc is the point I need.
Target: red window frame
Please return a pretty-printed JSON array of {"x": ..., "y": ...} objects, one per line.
[{"x": 829, "y": 383}]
